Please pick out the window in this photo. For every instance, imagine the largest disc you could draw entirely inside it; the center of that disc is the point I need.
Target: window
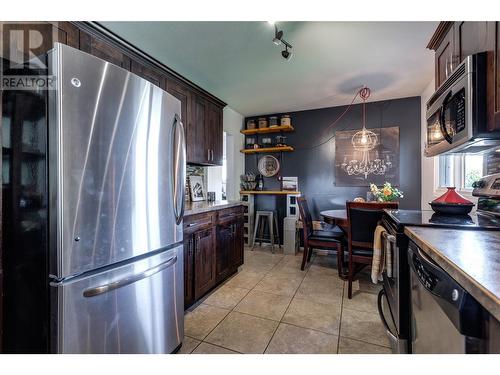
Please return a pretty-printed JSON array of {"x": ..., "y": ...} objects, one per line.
[{"x": 460, "y": 170}]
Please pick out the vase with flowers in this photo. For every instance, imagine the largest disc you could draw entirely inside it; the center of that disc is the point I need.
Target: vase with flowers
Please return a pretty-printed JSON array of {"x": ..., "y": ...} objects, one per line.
[{"x": 386, "y": 193}]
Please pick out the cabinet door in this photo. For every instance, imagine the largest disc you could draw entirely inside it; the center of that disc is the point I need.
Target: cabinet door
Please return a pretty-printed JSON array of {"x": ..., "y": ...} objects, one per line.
[
  {"x": 215, "y": 134},
  {"x": 224, "y": 249},
  {"x": 237, "y": 252},
  {"x": 152, "y": 75},
  {"x": 103, "y": 50},
  {"x": 204, "y": 262},
  {"x": 188, "y": 270},
  {"x": 445, "y": 62},
  {"x": 200, "y": 116},
  {"x": 182, "y": 93},
  {"x": 472, "y": 37}
]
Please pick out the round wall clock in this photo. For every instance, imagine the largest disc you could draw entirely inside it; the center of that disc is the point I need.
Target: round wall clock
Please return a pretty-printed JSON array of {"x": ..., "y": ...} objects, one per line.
[{"x": 269, "y": 166}]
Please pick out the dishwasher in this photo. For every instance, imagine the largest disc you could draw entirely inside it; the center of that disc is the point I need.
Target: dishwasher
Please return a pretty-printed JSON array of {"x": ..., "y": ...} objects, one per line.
[{"x": 444, "y": 317}]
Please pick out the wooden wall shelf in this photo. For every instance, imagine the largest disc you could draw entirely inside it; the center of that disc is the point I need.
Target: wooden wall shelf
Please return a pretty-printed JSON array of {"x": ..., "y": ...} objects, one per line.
[
  {"x": 275, "y": 129},
  {"x": 270, "y": 192},
  {"x": 267, "y": 149}
]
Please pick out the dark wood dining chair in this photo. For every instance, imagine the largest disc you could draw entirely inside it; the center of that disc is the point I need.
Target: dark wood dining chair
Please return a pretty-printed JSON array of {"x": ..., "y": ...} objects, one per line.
[
  {"x": 333, "y": 239},
  {"x": 363, "y": 218}
]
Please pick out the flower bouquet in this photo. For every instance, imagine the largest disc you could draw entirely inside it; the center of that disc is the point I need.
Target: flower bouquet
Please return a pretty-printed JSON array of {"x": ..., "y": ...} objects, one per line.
[{"x": 387, "y": 193}]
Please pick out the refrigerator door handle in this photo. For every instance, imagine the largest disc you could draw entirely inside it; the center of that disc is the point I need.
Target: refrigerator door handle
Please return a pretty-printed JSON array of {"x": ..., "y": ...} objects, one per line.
[
  {"x": 179, "y": 168},
  {"x": 101, "y": 289}
]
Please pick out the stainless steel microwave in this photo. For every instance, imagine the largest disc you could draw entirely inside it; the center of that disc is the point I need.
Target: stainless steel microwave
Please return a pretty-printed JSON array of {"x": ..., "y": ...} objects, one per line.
[{"x": 456, "y": 113}]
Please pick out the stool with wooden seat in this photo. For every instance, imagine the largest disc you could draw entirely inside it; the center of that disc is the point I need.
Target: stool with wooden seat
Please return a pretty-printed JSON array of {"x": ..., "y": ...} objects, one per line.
[
  {"x": 271, "y": 218},
  {"x": 363, "y": 218},
  {"x": 320, "y": 239}
]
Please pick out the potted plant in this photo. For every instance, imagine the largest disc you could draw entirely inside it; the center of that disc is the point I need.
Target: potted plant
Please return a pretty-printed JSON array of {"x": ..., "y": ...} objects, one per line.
[{"x": 387, "y": 193}]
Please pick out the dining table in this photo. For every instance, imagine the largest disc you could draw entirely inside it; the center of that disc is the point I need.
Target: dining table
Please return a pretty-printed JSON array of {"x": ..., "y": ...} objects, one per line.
[{"x": 336, "y": 217}]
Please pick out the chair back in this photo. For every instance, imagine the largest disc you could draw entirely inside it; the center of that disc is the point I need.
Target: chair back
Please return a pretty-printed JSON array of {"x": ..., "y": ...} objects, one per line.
[
  {"x": 363, "y": 218},
  {"x": 305, "y": 215}
]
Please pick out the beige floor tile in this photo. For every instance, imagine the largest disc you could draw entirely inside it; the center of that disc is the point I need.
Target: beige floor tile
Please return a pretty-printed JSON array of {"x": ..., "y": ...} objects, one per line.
[
  {"x": 364, "y": 284},
  {"x": 264, "y": 305},
  {"x": 199, "y": 322},
  {"x": 260, "y": 266},
  {"x": 284, "y": 269},
  {"x": 349, "y": 346},
  {"x": 363, "y": 326},
  {"x": 294, "y": 261},
  {"x": 226, "y": 297},
  {"x": 314, "y": 315},
  {"x": 206, "y": 348},
  {"x": 289, "y": 339},
  {"x": 245, "y": 279},
  {"x": 243, "y": 333},
  {"x": 188, "y": 345},
  {"x": 282, "y": 284},
  {"x": 323, "y": 289},
  {"x": 361, "y": 301},
  {"x": 321, "y": 270}
]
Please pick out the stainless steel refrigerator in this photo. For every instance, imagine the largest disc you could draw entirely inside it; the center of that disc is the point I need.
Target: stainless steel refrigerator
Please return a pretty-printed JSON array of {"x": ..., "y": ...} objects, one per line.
[{"x": 114, "y": 200}]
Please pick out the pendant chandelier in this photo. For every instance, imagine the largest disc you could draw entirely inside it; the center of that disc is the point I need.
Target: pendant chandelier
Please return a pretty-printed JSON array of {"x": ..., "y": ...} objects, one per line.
[{"x": 365, "y": 141}]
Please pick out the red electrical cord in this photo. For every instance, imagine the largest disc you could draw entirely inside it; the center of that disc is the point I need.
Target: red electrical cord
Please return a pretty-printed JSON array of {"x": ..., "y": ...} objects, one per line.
[{"x": 364, "y": 93}]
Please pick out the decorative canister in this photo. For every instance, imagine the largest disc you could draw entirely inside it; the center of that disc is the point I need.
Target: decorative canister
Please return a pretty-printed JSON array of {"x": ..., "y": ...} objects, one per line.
[
  {"x": 273, "y": 121},
  {"x": 285, "y": 120},
  {"x": 251, "y": 124},
  {"x": 262, "y": 122}
]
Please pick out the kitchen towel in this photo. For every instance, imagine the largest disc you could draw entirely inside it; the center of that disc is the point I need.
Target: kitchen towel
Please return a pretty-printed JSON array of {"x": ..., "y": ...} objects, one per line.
[{"x": 378, "y": 261}]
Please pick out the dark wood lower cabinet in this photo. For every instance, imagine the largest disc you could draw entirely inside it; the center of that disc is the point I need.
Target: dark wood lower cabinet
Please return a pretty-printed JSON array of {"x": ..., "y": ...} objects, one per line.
[
  {"x": 213, "y": 250},
  {"x": 204, "y": 262}
]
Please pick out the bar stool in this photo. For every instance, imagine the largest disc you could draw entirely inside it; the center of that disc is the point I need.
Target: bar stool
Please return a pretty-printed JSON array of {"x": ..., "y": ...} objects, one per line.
[{"x": 260, "y": 220}]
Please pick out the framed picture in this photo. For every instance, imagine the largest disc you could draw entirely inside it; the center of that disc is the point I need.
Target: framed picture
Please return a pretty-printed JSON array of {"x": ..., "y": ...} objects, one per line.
[
  {"x": 360, "y": 168},
  {"x": 196, "y": 187},
  {"x": 290, "y": 183}
]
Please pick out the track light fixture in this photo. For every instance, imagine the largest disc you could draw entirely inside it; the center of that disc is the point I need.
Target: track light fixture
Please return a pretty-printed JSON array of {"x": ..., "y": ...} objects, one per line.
[
  {"x": 278, "y": 40},
  {"x": 287, "y": 55}
]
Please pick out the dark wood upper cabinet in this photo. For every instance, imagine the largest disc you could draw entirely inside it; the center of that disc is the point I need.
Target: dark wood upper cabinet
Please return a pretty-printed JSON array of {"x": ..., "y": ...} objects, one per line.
[
  {"x": 104, "y": 50},
  {"x": 200, "y": 132},
  {"x": 215, "y": 134},
  {"x": 185, "y": 95},
  {"x": 445, "y": 59},
  {"x": 152, "y": 75}
]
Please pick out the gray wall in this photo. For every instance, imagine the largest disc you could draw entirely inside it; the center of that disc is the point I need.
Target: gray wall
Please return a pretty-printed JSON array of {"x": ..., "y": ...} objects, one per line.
[{"x": 315, "y": 166}]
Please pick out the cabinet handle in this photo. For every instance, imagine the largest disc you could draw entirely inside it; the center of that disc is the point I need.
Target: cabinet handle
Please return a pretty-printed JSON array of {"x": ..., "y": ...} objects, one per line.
[
  {"x": 212, "y": 152},
  {"x": 208, "y": 154},
  {"x": 192, "y": 224}
]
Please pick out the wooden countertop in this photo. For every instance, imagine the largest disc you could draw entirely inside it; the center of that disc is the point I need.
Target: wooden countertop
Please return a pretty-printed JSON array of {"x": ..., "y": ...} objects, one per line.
[
  {"x": 471, "y": 257},
  {"x": 193, "y": 208}
]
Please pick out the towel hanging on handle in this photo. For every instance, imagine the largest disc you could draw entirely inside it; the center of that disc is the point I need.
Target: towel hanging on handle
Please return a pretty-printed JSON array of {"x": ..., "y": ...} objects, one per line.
[{"x": 378, "y": 261}]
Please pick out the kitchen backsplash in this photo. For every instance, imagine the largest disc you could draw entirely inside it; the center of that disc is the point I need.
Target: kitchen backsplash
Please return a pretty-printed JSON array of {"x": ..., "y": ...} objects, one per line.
[{"x": 194, "y": 170}]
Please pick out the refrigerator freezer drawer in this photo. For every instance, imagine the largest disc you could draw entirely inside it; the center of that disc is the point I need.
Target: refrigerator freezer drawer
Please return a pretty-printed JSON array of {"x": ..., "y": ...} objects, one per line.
[{"x": 135, "y": 308}]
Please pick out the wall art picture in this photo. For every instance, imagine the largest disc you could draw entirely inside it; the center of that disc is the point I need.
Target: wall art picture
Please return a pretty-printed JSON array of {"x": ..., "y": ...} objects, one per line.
[
  {"x": 367, "y": 156},
  {"x": 196, "y": 187}
]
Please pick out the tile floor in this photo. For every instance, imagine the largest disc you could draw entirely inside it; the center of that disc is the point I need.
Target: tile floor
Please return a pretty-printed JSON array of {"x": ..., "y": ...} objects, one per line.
[{"x": 271, "y": 306}]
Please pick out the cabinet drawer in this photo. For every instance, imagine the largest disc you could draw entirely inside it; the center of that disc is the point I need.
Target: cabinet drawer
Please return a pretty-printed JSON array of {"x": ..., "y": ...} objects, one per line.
[
  {"x": 230, "y": 213},
  {"x": 199, "y": 221}
]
